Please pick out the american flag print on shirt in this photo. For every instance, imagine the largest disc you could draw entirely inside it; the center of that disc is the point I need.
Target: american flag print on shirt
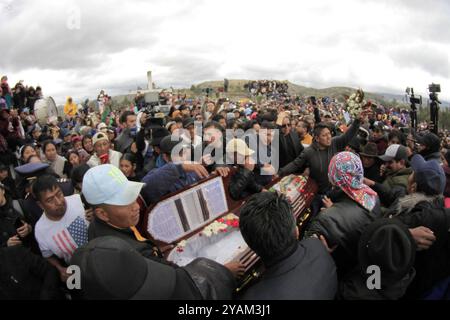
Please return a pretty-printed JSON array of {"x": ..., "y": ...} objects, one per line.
[{"x": 72, "y": 237}]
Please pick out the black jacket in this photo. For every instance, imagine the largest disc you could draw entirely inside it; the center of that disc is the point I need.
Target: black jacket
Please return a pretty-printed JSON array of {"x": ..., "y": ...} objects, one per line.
[
  {"x": 99, "y": 228},
  {"x": 200, "y": 279},
  {"x": 290, "y": 148},
  {"x": 342, "y": 225},
  {"x": 432, "y": 265},
  {"x": 243, "y": 184},
  {"x": 8, "y": 217},
  {"x": 19, "y": 99},
  {"x": 318, "y": 160},
  {"x": 124, "y": 141},
  {"x": 354, "y": 287},
  {"x": 220, "y": 153},
  {"x": 373, "y": 173},
  {"x": 26, "y": 276},
  {"x": 308, "y": 273}
]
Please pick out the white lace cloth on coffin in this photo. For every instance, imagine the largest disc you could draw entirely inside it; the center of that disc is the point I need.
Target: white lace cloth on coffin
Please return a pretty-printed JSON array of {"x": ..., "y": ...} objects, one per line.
[{"x": 222, "y": 248}]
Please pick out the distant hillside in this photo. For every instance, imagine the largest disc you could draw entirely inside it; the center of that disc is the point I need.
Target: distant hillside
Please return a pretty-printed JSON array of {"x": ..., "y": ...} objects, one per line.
[
  {"x": 237, "y": 91},
  {"x": 236, "y": 88}
]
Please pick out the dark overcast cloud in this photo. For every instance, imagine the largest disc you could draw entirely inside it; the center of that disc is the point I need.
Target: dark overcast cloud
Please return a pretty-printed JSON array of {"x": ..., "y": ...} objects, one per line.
[{"x": 321, "y": 43}]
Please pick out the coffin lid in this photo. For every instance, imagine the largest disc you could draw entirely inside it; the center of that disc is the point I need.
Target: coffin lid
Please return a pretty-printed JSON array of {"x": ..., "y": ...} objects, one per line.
[{"x": 188, "y": 211}]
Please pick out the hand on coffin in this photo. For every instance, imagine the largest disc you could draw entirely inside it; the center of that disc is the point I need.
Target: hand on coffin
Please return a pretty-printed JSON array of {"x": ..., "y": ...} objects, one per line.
[
  {"x": 268, "y": 169},
  {"x": 169, "y": 247},
  {"x": 197, "y": 168},
  {"x": 222, "y": 171},
  {"x": 306, "y": 172},
  {"x": 236, "y": 268}
]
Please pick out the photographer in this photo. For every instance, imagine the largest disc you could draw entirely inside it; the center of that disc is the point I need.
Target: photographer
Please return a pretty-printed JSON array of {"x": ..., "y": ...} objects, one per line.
[
  {"x": 125, "y": 140},
  {"x": 139, "y": 100}
]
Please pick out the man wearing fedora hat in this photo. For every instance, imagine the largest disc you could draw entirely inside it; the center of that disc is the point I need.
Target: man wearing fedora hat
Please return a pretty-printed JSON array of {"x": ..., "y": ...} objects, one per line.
[
  {"x": 371, "y": 163},
  {"x": 389, "y": 245}
]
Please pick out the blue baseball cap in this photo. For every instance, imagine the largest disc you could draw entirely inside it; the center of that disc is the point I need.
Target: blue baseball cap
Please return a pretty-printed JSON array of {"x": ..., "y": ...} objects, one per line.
[
  {"x": 31, "y": 168},
  {"x": 429, "y": 175},
  {"x": 106, "y": 184}
]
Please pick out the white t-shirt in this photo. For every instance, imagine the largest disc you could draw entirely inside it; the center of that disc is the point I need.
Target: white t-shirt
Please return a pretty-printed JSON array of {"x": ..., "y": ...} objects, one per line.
[{"x": 61, "y": 238}]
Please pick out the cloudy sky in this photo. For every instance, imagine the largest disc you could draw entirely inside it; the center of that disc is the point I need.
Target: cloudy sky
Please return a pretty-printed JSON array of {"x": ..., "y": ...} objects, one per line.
[{"x": 79, "y": 47}]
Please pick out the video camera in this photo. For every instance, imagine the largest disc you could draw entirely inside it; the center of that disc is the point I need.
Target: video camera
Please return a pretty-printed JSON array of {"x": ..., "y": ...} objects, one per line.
[
  {"x": 414, "y": 100},
  {"x": 434, "y": 88},
  {"x": 153, "y": 106}
]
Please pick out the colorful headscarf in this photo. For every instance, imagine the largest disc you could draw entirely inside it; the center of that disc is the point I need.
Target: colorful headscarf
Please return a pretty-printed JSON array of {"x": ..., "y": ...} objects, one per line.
[{"x": 346, "y": 171}]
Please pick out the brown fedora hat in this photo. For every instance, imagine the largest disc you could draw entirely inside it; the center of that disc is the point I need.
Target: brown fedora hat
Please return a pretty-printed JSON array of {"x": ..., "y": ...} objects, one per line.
[{"x": 369, "y": 150}]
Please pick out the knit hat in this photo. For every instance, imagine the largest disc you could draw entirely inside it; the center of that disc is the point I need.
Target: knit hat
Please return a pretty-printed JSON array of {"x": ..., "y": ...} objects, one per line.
[{"x": 429, "y": 175}]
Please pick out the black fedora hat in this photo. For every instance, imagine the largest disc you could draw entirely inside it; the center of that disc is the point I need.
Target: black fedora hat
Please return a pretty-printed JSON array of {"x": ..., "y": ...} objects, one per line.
[
  {"x": 388, "y": 244},
  {"x": 157, "y": 134}
]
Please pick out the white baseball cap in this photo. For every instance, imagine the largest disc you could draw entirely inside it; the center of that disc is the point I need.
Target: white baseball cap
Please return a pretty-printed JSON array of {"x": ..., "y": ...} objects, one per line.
[
  {"x": 239, "y": 146},
  {"x": 106, "y": 184},
  {"x": 99, "y": 136},
  {"x": 395, "y": 152},
  {"x": 102, "y": 126}
]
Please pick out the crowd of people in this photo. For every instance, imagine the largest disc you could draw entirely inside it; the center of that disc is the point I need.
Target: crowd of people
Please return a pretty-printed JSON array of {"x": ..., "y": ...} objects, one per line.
[
  {"x": 267, "y": 88},
  {"x": 72, "y": 192}
]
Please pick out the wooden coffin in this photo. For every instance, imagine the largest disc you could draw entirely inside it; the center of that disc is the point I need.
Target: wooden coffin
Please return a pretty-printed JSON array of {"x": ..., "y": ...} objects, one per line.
[{"x": 205, "y": 215}]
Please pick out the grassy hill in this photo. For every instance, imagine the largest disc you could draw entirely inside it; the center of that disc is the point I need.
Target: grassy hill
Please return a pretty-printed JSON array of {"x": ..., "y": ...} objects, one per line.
[{"x": 236, "y": 90}]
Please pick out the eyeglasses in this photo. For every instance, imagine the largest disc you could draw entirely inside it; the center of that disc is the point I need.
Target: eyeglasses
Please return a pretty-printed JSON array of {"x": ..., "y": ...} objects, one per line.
[{"x": 286, "y": 125}]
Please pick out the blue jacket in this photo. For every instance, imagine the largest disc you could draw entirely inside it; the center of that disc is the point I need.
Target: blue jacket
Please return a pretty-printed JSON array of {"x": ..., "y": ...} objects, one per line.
[{"x": 167, "y": 179}]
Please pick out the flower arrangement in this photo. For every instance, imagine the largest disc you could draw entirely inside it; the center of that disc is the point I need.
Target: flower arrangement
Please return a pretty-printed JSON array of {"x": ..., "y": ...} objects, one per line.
[
  {"x": 356, "y": 103},
  {"x": 291, "y": 186},
  {"x": 181, "y": 245},
  {"x": 221, "y": 225}
]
